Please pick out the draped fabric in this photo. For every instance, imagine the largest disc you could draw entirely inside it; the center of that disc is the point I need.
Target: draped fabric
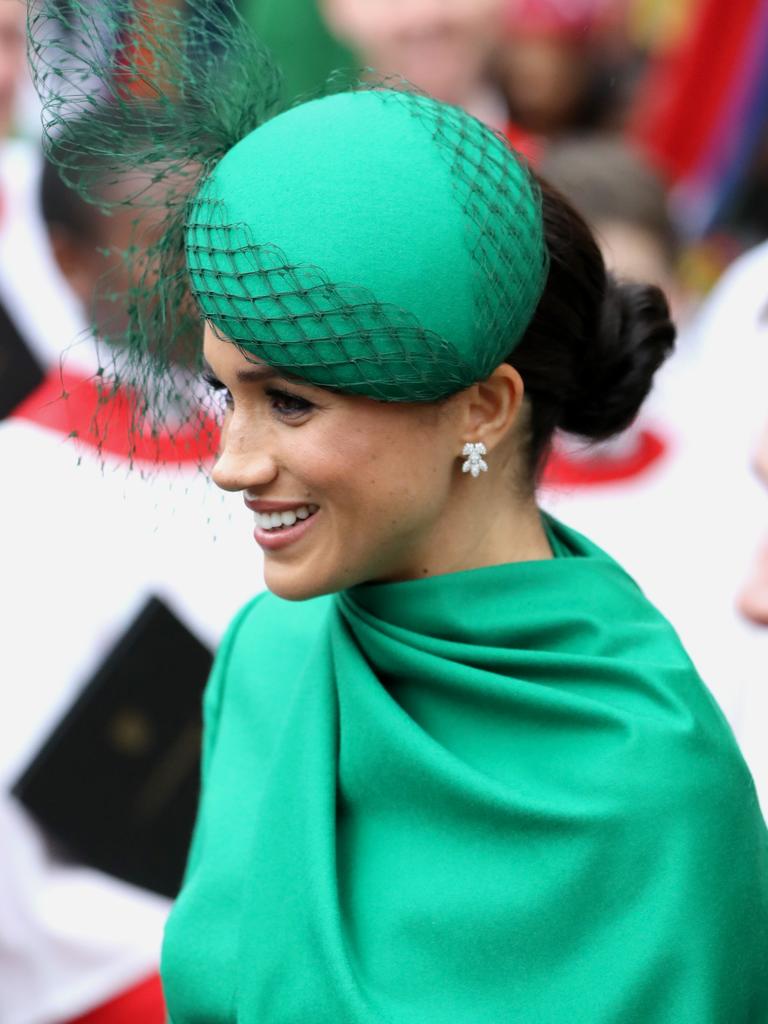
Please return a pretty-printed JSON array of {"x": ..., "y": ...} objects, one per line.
[{"x": 498, "y": 795}]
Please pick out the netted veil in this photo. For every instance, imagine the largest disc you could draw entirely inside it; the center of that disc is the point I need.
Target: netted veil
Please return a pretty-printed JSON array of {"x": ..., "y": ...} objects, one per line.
[{"x": 371, "y": 240}]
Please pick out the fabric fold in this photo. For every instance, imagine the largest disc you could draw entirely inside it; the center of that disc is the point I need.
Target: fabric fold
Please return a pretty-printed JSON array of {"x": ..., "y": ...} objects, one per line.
[{"x": 496, "y": 795}]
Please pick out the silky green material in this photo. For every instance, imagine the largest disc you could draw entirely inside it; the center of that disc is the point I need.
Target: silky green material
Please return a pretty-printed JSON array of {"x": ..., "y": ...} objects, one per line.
[
  {"x": 497, "y": 796},
  {"x": 376, "y": 241}
]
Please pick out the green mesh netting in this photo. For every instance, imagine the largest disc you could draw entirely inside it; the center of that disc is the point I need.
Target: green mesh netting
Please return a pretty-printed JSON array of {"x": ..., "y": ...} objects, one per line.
[
  {"x": 374, "y": 241},
  {"x": 378, "y": 242},
  {"x": 140, "y": 98}
]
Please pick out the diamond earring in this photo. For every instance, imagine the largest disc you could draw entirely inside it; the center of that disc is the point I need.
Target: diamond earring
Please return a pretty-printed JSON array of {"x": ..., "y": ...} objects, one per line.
[{"x": 475, "y": 463}]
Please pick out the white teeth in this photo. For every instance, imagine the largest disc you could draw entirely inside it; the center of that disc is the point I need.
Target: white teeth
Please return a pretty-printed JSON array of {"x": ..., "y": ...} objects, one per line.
[{"x": 275, "y": 520}]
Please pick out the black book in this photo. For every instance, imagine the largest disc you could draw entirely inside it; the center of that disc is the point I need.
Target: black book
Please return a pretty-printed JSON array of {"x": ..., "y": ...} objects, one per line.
[
  {"x": 116, "y": 784},
  {"x": 20, "y": 371}
]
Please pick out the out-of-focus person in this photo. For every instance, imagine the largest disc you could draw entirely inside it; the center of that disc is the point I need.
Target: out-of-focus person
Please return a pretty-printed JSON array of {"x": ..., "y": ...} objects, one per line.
[
  {"x": 443, "y": 47},
  {"x": 624, "y": 199},
  {"x": 725, "y": 527},
  {"x": 86, "y": 546},
  {"x": 556, "y": 74},
  {"x": 12, "y": 60},
  {"x": 673, "y": 474},
  {"x": 753, "y": 600}
]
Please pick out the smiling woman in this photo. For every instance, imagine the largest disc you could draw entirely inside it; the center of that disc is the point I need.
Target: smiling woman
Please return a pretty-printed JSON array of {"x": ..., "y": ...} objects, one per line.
[
  {"x": 378, "y": 479},
  {"x": 456, "y": 767}
]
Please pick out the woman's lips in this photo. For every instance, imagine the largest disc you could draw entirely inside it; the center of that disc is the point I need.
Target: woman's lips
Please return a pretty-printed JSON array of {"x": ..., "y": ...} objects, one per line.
[{"x": 273, "y": 540}]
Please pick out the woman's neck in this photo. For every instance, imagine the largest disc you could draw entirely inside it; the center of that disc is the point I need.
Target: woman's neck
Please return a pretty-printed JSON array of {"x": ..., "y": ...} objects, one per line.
[
  {"x": 475, "y": 534},
  {"x": 514, "y": 534}
]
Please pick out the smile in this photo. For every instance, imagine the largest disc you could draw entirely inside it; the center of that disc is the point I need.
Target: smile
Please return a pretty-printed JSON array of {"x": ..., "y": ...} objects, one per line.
[
  {"x": 275, "y": 530},
  {"x": 283, "y": 520}
]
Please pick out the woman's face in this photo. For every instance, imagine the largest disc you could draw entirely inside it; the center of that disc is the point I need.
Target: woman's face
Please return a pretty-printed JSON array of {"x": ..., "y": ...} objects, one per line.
[
  {"x": 442, "y": 46},
  {"x": 363, "y": 489},
  {"x": 754, "y": 598},
  {"x": 545, "y": 78}
]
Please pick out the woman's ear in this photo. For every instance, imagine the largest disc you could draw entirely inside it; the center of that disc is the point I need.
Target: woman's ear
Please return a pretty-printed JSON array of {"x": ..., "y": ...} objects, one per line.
[{"x": 493, "y": 406}]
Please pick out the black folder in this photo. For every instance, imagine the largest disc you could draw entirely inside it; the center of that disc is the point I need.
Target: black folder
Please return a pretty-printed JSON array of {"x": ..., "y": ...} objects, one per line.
[{"x": 116, "y": 784}]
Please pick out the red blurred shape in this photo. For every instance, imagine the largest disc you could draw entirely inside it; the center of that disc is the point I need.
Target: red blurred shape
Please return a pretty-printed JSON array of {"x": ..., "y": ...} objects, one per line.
[{"x": 143, "y": 1004}]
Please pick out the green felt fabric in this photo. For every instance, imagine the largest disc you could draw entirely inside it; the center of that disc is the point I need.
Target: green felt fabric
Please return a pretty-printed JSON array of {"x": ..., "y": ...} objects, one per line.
[
  {"x": 501, "y": 795},
  {"x": 374, "y": 241}
]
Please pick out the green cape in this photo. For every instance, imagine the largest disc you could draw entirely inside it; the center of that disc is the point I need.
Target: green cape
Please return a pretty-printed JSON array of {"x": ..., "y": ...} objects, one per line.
[{"x": 500, "y": 795}]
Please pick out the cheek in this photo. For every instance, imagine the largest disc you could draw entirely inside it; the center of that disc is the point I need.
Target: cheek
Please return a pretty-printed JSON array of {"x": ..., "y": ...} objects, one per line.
[
  {"x": 397, "y": 482},
  {"x": 380, "y": 470}
]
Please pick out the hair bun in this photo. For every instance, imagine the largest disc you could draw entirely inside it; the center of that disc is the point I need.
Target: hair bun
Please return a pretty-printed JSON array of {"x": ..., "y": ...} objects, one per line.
[{"x": 616, "y": 365}]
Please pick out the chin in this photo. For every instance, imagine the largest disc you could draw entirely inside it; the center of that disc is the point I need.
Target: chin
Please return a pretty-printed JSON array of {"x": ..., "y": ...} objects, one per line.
[{"x": 291, "y": 584}]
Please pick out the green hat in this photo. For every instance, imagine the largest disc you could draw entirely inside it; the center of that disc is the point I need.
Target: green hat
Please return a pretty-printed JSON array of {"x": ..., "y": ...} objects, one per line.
[{"x": 373, "y": 241}]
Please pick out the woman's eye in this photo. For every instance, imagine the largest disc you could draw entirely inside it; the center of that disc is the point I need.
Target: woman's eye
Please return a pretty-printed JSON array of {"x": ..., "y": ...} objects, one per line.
[{"x": 286, "y": 404}]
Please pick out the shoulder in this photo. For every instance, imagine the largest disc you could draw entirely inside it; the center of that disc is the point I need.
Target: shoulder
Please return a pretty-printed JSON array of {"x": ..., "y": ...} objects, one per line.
[
  {"x": 267, "y": 625},
  {"x": 265, "y": 645},
  {"x": 267, "y": 613}
]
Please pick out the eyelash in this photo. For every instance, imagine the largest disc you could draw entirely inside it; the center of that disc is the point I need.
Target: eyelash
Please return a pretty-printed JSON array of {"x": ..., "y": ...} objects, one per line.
[
  {"x": 297, "y": 406},
  {"x": 300, "y": 406}
]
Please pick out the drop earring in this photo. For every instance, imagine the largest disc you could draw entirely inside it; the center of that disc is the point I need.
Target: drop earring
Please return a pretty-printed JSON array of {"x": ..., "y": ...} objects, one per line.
[{"x": 475, "y": 463}]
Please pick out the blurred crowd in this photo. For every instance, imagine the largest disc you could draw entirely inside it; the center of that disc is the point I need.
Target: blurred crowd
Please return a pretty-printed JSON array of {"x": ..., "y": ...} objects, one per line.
[{"x": 652, "y": 117}]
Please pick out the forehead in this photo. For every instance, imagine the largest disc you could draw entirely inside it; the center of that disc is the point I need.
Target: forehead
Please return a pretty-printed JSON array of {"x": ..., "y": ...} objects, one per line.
[
  {"x": 221, "y": 349},
  {"x": 226, "y": 358}
]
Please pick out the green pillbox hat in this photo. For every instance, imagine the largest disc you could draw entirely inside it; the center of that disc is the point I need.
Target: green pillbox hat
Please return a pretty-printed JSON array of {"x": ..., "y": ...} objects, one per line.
[{"x": 377, "y": 242}]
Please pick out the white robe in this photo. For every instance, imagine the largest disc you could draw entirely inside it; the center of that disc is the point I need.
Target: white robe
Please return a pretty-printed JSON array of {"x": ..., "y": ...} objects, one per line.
[
  {"x": 689, "y": 525},
  {"x": 83, "y": 543}
]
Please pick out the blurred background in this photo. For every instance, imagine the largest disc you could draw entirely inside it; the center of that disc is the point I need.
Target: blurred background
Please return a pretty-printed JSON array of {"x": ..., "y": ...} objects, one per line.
[{"x": 652, "y": 117}]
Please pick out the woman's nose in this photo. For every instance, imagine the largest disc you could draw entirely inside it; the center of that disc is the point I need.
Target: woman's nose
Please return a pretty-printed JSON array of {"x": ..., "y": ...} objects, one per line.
[{"x": 241, "y": 464}]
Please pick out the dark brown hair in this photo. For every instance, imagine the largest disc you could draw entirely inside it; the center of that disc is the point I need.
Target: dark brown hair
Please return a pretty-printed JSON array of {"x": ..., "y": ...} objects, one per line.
[{"x": 590, "y": 353}]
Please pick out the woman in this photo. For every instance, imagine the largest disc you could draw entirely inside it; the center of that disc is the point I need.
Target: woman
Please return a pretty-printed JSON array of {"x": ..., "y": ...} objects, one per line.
[
  {"x": 446, "y": 49},
  {"x": 455, "y": 766}
]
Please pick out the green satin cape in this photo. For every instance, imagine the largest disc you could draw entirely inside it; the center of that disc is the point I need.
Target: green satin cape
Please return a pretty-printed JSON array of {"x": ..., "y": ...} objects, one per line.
[{"x": 502, "y": 795}]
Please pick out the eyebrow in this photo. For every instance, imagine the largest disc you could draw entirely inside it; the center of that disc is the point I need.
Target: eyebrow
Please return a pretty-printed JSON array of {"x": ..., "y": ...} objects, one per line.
[{"x": 255, "y": 375}]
